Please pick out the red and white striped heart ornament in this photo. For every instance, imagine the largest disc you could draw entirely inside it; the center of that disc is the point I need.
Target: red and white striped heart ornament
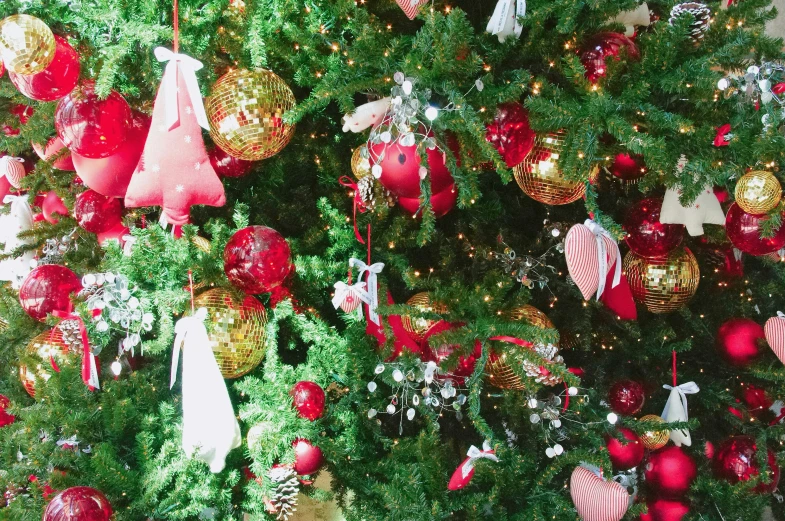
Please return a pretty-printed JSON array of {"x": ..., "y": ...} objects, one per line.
[
  {"x": 775, "y": 335},
  {"x": 591, "y": 253},
  {"x": 410, "y": 7},
  {"x": 597, "y": 499},
  {"x": 13, "y": 170}
]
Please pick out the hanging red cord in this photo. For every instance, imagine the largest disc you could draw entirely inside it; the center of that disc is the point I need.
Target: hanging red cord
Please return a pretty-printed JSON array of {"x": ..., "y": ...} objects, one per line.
[{"x": 675, "y": 383}]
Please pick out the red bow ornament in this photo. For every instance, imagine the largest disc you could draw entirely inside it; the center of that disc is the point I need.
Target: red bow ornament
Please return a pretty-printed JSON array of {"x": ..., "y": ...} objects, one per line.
[{"x": 723, "y": 137}]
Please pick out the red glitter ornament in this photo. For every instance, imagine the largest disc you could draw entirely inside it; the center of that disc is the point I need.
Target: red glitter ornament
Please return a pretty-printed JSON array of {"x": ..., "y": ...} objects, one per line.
[
  {"x": 627, "y": 167},
  {"x": 646, "y": 235},
  {"x": 625, "y": 455},
  {"x": 308, "y": 398},
  {"x": 743, "y": 230},
  {"x": 308, "y": 458},
  {"x": 56, "y": 80},
  {"x": 53, "y": 148},
  {"x": 257, "y": 259},
  {"x": 602, "y": 46},
  {"x": 736, "y": 460},
  {"x": 626, "y": 397},
  {"x": 78, "y": 504},
  {"x": 510, "y": 133},
  {"x": 48, "y": 288},
  {"x": 739, "y": 341},
  {"x": 666, "y": 510},
  {"x": 97, "y": 213},
  {"x": 671, "y": 471},
  {"x": 228, "y": 166}
]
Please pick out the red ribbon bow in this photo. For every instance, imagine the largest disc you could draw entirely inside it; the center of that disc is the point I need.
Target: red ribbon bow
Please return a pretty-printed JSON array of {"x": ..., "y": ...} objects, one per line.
[
  {"x": 89, "y": 370},
  {"x": 358, "y": 204},
  {"x": 719, "y": 139}
]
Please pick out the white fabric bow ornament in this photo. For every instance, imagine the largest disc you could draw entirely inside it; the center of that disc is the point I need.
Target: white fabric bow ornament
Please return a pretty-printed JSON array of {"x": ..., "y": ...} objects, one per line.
[
  {"x": 18, "y": 220},
  {"x": 187, "y": 67},
  {"x": 676, "y": 411},
  {"x": 343, "y": 290},
  {"x": 475, "y": 454},
  {"x": 210, "y": 429},
  {"x": 504, "y": 21},
  {"x": 372, "y": 285},
  {"x": 602, "y": 255}
]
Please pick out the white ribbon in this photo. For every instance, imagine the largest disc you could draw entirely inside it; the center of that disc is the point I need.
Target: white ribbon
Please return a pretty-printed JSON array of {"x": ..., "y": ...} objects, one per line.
[
  {"x": 737, "y": 254},
  {"x": 504, "y": 21},
  {"x": 343, "y": 290},
  {"x": 372, "y": 284},
  {"x": 71, "y": 442},
  {"x": 20, "y": 207},
  {"x": 683, "y": 390},
  {"x": 430, "y": 371},
  {"x": 780, "y": 314},
  {"x": 602, "y": 256},
  {"x": 476, "y": 454},
  {"x": 201, "y": 314},
  {"x": 188, "y": 67},
  {"x": 676, "y": 404}
]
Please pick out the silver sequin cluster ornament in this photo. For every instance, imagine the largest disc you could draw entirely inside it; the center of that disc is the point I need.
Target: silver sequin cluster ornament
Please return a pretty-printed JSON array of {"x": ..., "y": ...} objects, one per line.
[
  {"x": 701, "y": 18},
  {"x": 54, "y": 250},
  {"x": 764, "y": 84},
  {"x": 529, "y": 270}
]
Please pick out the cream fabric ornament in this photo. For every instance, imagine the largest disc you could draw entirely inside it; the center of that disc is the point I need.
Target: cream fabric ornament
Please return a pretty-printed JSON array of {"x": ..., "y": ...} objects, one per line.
[
  {"x": 676, "y": 411},
  {"x": 705, "y": 209},
  {"x": 635, "y": 17},
  {"x": 18, "y": 220},
  {"x": 210, "y": 429},
  {"x": 504, "y": 21},
  {"x": 366, "y": 116}
]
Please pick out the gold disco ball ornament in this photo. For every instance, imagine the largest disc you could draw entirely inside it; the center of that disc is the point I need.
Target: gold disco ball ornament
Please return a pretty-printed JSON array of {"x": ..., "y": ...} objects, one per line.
[
  {"x": 758, "y": 192},
  {"x": 540, "y": 177},
  {"x": 361, "y": 166},
  {"x": 417, "y": 327},
  {"x": 663, "y": 284},
  {"x": 27, "y": 45},
  {"x": 532, "y": 315},
  {"x": 201, "y": 243},
  {"x": 246, "y": 110},
  {"x": 49, "y": 345},
  {"x": 236, "y": 328},
  {"x": 654, "y": 440}
]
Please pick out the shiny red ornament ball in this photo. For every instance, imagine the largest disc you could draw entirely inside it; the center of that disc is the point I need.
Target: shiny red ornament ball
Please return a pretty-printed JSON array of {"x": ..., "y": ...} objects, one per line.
[
  {"x": 646, "y": 235},
  {"x": 743, "y": 230},
  {"x": 441, "y": 203},
  {"x": 257, "y": 259},
  {"x": 52, "y": 206},
  {"x": 97, "y": 213},
  {"x": 228, "y": 166},
  {"x": 48, "y": 288},
  {"x": 603, "y": 46},
  {"x": 52, "y": 149},
  {"x": 56, "y": 80},
  {"x": 739, "y": 341},
  {"x": 308, "y": 458},
  {"x": 736, "y": 460},
  {"x": 626, "y": 397},
  {"x": 671, "y": 471},
  {"x": 466, "y": 363},
  {"x": 757, "y": 402},
  {"x": 78, "y": 504},
  {"x": 90, "y": 126},
  {"x": 627, "y": 167},
  {"x": 308, "y": 398},
  {"x": 5, "y": 418},
  {"x": 23, "y": 112},
  {"x": 666, "y": 510},
  {"x": 625, "y": 455},
  {"x": 510, "y": 133}
]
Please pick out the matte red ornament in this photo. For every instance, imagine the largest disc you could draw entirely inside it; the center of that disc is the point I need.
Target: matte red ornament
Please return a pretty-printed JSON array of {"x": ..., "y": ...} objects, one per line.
[
  {"x": 441, "y": 203},
  {"x": 603, "y": 46},
  {"x": 401, "y": 169},
  {"x": 111, "y": 175},
  {"x": 671, "y": 471},
  {"x": 90, "y": 126},
  {"x": 257, "y": 259},
  {"x": 228, "y": 166},
  {"x": 757, "y": 402},
  {"x": 510, "y": 133},
  {"x": 736, "y": 460},
  {"x": 53, "y": 148},
  {"x": 739, "y": 341},
  {"x": 625, "y": 455},
  {"x": 5, "y": 418},
  {"x": 56, "y": 80},
  {"x": 308, "y": 458},
  {"x": 78, "y": 504},
  {"x": 666, "y": 510},
  {"x": 308, "y": 398},
  {"x": 743, "y": 230},
  {"x": 626, "y": 397},
  {"x": 48, "y": 288},
  {"x": 52, "y": 206},
  {"x": 646, "y": 235},
  {"x": 97, "y": 213},
  {"x": 627, "y": 167}
]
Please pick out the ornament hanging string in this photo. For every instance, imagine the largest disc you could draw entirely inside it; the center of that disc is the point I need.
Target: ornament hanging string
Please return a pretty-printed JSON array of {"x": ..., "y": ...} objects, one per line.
[
  {"x": 89, "y": 367},
  {"x": 675, "y": 382}
]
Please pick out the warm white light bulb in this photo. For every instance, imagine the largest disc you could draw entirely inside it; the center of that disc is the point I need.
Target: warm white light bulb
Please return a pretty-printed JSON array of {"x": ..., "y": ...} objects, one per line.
[
  {"x": 431, "y": 113},
  {"x": 116, "y": 367},
  {"x": 612, "y": 418}
]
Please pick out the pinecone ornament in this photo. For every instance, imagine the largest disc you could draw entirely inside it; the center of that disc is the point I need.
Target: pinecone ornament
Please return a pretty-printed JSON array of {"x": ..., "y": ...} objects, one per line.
[
  {"x": 71, "y": 335},
  {"x": 283, "y": 503},
  {"x": 701, "y": 15},
  {"x": 370, "y": 191},
  {"x": 540, "y": 373}
]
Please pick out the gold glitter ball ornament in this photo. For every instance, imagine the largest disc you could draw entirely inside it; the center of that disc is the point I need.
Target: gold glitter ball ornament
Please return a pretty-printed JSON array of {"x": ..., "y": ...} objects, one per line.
[
  {"x": 663, "y": 284},
  {"x": 540, "y": 177},
  {"x": 361, "y": 166},
  {"x": 417, "y": 327},
  {"x": 45, "y": 347},
  {"x": 246, "y": 110},
  {"x": 236, "y": 329},
  {"x": 654, "y": 440},
  {"x": 27, "y": 45},
  {"x": 532, "y": 315},
  {"x": 758, "y": 192}
]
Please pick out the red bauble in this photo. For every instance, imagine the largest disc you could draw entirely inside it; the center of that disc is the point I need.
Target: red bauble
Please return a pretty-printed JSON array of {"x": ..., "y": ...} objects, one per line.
[
  {"x": 401, "y": 169},
  {"x": 441, "y": 203},
  {"x": 23, "y": 112},
  {"x": 115, "y": 233},
  {"x": 57, "y": 80},
  {"x": 257, "y": 259},
  {"x": 228, "y": 166},
  {"x": 666, "y": 510},
  {"x": 308, "y": 458},
  {"x": 48, "y": 288},
  {"x": 671, "y": 471},
  {"x": 111, "y": 175},
  {"x": 757, "y": 402},
  {"x": 736, "y": 460},
  {"x": 603, "y": 46},
  {"x": 90, "y": 126},
  {"x": 510, "y": 133},
  {"x": 53, "y": 148},
  {"x": 739, "y": 341},
  {"x": 646, "y": 235},
  {"x": 627, "y": 167},
  {"x": 78, "y": 504},
  {"x": 743, "y": 230},
  {"x": 625, "y": 455},
  {"x": 5, "y": 418},
  {"x": 51, "y": 206},
  {"x": 308, "y": 399},
  {"x": 626, "y": 397},
  {"x": 440, "y": 353},
  {"x": 97, "y": 213}
]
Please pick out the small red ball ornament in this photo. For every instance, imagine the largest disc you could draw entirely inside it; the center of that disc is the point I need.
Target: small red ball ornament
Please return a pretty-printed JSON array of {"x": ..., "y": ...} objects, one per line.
[
  {"x": 23, "y": 112},
  {"x": 308, "y": 458},
  {"x": 53, "y": 148},
  {"x": 228, "y": 166},
  {"x": 97, "y": 213},
  {"x": 628, "y": 454},
  {"x": 601, "y": 47},
  {"x": 646, "y": 235},
  {"x": 56, "y": 80},
  {"x": 736, "y": 460},
  {"x": 743, "y": 230},
  {"x": 466, "y": 364},
  {"x": 308, "y": 398},
  {"x": 627, "y": 167},
  {"x": 739, "y": 341},
  {"x": 78, "y": 504},
  {"x": 757, "y": 402},
  {"x": 510, "y": 133},
  {"x": 90, "y": 126},
  {"x": 666, "y": 510},
  {"x": 48, "y": 288},
  {"x": 626, "y": 397},
  {"x": 671, "y": 471},
  {"x": 5, "y": 418},
  {"x": 257, "y": 259},
  {"x": 52, "y": 206}
]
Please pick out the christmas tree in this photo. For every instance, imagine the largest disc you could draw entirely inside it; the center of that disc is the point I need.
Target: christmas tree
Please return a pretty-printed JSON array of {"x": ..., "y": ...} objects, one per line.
[{"x": 406, "y": 260}]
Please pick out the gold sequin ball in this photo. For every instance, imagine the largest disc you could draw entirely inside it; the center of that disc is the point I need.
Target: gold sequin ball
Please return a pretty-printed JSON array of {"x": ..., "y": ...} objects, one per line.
[
  {"x": 43, "y": 348},
  {"x": 758, "y": 192},
  {"x": 663, "y": 284},
  {"x": 654, "y": 440},
  {"x": 27, "y": 44}
]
